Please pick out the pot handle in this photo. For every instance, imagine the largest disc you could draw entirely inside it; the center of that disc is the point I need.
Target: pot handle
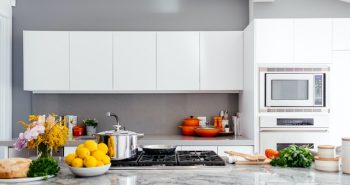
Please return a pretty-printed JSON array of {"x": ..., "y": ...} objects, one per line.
[{"x": 140, "y": 135}]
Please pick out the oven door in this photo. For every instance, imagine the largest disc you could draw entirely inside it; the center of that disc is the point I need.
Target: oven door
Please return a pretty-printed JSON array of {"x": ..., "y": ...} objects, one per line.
[
  {"x": 281, "y": 139},
  {"x": 289, "y": 90}
]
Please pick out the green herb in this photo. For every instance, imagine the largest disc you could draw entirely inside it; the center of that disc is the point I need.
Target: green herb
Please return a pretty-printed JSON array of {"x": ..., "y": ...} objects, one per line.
[
  {"x": 43, "y": 167},
  {"x": 294, "y": 156},
  {"x": 91, "y": 122}
]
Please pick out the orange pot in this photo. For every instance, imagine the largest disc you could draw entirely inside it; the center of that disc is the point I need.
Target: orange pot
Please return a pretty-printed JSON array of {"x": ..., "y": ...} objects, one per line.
[
  {"x": 188, "y": 130},
  {"x": 191, "y": 121},
  {"x": 207, "y": 131}
]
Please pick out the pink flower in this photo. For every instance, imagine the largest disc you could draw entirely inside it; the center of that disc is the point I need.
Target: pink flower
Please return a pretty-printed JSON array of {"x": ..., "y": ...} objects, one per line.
[{"x": 20, "y": 143}]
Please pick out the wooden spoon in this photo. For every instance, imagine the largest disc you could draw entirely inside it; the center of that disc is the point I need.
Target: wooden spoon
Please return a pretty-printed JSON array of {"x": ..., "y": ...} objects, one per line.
[{"x": 247, "y": 156}]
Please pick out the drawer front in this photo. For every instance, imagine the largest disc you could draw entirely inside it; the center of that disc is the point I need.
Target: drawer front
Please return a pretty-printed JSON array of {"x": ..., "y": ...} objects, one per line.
[
  {"x": 241, "y": 149},
  {"x": 199, "y": 148},
  {"x": 280, "y": 140}
]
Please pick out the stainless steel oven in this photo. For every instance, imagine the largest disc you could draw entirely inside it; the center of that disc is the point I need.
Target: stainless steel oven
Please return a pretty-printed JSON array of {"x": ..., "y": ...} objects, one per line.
[
  {"x": 293, "y": 89},
  {"x": 281, "y": 130}
]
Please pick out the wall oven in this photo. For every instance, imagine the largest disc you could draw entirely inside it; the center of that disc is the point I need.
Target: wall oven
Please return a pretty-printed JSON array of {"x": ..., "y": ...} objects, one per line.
[
  {"x": 293, "y": 89},
  {"x": 280, "y": 131}
]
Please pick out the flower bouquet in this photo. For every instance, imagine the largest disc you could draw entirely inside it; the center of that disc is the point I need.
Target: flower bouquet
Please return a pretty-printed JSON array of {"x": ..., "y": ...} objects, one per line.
[{"x": 42, "y": 134}]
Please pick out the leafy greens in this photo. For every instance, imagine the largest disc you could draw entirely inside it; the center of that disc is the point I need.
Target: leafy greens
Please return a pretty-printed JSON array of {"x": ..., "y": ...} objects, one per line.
[{"x": 294, "y": 156}]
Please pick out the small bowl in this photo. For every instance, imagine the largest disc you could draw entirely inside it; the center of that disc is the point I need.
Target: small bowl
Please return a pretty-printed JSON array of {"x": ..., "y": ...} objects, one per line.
[
  {"x": 326, "y": 151},
  {"x": 90, "y": 172},
  {"x": 327, "y": 165},
  {"x": 207, "y": 131}
]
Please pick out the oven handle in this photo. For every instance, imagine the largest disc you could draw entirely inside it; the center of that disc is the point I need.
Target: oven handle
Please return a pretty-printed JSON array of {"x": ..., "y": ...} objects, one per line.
[{"x": 293, "y": 129}]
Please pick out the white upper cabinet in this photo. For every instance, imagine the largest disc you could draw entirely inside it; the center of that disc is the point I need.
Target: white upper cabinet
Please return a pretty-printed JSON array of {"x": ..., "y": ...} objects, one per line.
[
  {"x": 91, "y": 60},
  {"x": 341, "y": 34},
  {"x": 313, "y": 40},
  {"x": 178, "y": 60},
  {"x": 221, "y": 60},
  {"x": 46, "y": 60},
  {"x": 274, "y": 40},
  {"x": 134, "y": 60}
]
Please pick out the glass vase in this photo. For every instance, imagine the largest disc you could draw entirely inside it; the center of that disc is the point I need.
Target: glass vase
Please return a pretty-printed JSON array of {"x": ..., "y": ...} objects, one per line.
[{"x": 44, "y": 151}]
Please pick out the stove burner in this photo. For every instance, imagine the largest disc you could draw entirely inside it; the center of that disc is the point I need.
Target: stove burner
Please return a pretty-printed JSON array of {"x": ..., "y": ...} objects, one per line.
[{"x": 206, "y": 158}]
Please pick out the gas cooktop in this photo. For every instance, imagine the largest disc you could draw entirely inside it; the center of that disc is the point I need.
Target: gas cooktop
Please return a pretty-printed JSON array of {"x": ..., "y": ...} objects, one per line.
[{"x": 178, "y": 160}]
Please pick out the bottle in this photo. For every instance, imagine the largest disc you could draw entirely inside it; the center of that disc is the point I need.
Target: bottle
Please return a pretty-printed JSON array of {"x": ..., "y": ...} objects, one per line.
[{"x": 345, "y": 156}]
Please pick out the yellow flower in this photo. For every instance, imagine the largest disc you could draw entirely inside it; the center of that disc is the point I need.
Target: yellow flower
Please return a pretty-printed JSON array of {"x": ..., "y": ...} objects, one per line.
[{"x": 33, "y": 117}]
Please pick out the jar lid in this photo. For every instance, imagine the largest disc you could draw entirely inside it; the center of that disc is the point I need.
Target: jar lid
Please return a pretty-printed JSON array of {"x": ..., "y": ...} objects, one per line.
[
  {"x": 326, "y": 146},
  {"x": 346, "y": 138},
  {"x": 326, "y": 159}
]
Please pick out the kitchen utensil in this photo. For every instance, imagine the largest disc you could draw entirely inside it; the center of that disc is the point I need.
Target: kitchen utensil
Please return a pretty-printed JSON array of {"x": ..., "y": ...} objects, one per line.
[
  {"x": 345, "y": 156},
  {"x": 158, "y": 149},
  {"x": 326, "y": 151},
  {"x": 328, "y": 165},
  {"x": 247, "y": 156},
  {"x": 122, "y": 144},
  {"x": 191, "y": 121},
  {"x": 207, "y": 131},
  {"x": 265, "y": 162},
  {"x": 188, "y": 130},
  {"x": 90, "y": 172}
]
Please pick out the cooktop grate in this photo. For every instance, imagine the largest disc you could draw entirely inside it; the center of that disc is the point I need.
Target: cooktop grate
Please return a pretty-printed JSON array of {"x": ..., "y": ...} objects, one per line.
[
  {"x": 207, "y": 158},
  {"x": 181, "y": 158}
]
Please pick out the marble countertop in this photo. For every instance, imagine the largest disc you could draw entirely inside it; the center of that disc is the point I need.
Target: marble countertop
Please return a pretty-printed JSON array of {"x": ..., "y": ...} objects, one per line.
[
  {"x": 242, "y": 175},
  {"x": 172, "y": 140}
]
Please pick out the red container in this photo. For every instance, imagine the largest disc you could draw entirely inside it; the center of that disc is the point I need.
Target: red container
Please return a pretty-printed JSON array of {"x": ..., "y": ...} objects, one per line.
[
  {"x": 78, "y": 131},
  {"x": 188, "y": 130}
]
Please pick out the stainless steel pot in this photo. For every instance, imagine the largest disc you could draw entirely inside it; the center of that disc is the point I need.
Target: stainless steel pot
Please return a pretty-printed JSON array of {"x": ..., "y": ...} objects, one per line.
[{"x": 122, "y": 144}]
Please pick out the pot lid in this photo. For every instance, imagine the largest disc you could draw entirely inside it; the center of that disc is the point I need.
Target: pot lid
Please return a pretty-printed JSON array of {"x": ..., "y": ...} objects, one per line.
[
  {"x": 192, "y": 118},
  {"x": 119, "y": 133}
]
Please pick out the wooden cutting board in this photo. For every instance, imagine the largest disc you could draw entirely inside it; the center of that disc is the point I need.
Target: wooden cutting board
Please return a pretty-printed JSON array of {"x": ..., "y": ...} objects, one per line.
[{"x": 265, "y": 162}]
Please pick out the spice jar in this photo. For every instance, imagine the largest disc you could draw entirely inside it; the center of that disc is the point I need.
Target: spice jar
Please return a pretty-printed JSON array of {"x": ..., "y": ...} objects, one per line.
[{"x": 345, "y": 150}]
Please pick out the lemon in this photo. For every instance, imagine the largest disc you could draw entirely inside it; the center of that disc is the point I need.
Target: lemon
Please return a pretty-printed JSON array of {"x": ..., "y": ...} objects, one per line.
[
  {"x": 99, "y": 163},
  {"x": 106, "y": 159},
  {"x": 91, "y": 145},
  {"x": 77, "y": 163},
  {"x": 103, "y": 147},
  {"x": 82, "y": 152},
  {"x": 98, "y": 154},
  {"x": 90, "y": 162},
  {"x": 81, "y": 145},
  {"x": 69, "y": 158}
]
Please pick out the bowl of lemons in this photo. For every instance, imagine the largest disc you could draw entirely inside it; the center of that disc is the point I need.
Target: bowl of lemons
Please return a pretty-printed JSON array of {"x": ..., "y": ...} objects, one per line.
[{"x": 90, "y": 159}]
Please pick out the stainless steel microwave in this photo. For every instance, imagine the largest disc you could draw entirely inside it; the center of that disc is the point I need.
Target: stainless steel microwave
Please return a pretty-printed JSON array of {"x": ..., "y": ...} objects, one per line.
[{"x": 293, "y": 89}]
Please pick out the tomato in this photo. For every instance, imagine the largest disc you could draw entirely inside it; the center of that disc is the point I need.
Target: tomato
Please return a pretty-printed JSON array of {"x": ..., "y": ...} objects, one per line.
[{"x": 271, "y": 153}]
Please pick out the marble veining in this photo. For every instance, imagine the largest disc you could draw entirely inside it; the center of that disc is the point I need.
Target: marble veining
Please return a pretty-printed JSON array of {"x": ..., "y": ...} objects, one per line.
[{"x": 240, "y": 175}]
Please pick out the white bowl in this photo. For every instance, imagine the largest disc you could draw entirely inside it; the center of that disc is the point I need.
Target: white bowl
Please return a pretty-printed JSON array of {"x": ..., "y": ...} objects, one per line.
[
  {"x": 326, "y": 151},
  {"x": 327, "y": 165},
  {"x": 89, "y": 172}
]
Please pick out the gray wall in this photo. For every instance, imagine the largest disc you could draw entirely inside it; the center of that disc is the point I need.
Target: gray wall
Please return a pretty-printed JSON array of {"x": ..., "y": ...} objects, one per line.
[
  {"x": 147, "y": 113},
  {"x": 302, "y": 9},
  {"x": 155, "y": 113}
]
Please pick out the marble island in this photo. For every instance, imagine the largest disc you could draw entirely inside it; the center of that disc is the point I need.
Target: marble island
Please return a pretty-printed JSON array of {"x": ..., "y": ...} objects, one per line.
[{"x": 242, "y": 175}]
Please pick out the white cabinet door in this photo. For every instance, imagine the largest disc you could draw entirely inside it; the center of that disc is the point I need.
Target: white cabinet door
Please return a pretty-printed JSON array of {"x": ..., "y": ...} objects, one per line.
[
  {"x": 274, "y": 40},
  {"x": 178, "y": 60},
  {"x": 134, "y": 60},
  {"x": 221, "y": 60},
  {"x": 45, "y": 60},
  {"x": 91, "y": 60},
  {"x": 241, "y": 149},
  {"x": 339, "y": 97},
  {"x": 341, "y": 34},
  {"x": 313, "y": 40},
  {"x": 200, "y": 148}
]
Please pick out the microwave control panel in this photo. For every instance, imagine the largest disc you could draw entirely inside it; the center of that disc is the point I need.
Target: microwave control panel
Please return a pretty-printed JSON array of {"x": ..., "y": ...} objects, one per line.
[{"x": 319, "y": 89}]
